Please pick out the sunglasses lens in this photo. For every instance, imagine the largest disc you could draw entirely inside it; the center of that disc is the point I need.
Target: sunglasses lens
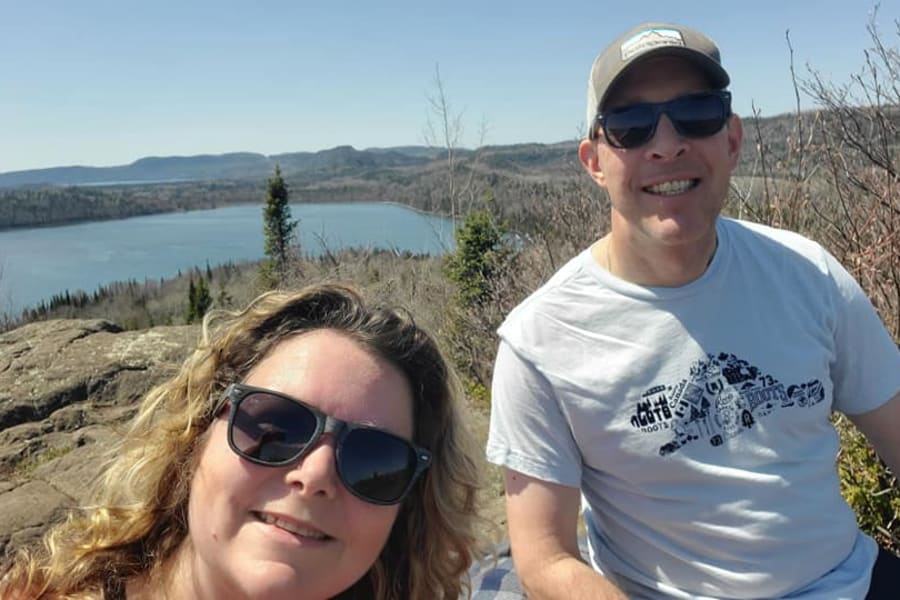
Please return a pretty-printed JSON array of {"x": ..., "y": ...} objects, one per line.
[
  {"x": 376, "y": 465},
  {"x": 630, "y": 126},
  {"x": 700, "y": 115},
  {"x": 271, "y": 429},
  {"x": 695, "y": 116}
]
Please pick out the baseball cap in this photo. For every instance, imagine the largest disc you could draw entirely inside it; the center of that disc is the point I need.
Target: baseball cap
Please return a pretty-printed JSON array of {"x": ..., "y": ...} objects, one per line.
[{"x": 645, "y": 41}]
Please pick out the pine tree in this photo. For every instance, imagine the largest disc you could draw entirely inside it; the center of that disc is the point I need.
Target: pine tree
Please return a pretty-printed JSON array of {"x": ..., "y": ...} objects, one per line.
[
  {"x": 476, "y": 268},
  {"x": 199, "y": 300},
  {"x": 190, "y": 314},
  {"x": 203, "y": 298},
  {"x": 278, "y": 229},
  {"x": 479, "y": 250}
]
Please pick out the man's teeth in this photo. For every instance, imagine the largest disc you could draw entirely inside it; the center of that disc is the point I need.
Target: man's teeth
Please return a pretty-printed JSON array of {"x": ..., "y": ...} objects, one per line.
[
  {"x": 670, "y": 188},
  {"x": 293, "y": 528}
]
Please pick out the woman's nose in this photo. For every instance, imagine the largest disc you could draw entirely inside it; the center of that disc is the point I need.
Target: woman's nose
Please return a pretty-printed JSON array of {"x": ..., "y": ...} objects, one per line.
[{"x": 315, "y": 475}]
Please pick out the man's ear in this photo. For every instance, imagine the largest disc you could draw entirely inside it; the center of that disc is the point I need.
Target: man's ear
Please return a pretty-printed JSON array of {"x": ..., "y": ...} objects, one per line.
[
  {"x": 735, "y": 139},
  {"x": 590, "y": 160}
]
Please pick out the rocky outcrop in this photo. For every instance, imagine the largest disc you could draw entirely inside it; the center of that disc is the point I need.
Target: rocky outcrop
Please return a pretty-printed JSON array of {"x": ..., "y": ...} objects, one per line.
[{"x": 67, "y": 388}]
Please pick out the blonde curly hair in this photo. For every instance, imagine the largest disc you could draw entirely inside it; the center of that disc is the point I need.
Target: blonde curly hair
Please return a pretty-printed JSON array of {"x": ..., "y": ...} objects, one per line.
[{"x": 138, "y": 514}]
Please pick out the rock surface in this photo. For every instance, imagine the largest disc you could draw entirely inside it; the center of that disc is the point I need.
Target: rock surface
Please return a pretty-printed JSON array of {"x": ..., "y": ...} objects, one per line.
[{"x": 67, "y": 388}]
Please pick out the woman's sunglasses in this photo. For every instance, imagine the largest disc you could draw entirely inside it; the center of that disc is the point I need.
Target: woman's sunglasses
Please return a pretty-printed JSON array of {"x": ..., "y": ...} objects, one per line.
[
  {"x": 275, "y": 430},
  {"x": 694, "y": 116}
]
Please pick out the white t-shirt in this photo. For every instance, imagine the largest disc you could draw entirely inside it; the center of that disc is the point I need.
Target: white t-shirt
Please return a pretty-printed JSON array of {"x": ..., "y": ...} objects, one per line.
[{"x": 695, "y": 419}]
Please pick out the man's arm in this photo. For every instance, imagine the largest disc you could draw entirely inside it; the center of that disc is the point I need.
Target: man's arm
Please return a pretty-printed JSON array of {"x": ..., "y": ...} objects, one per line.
[
  {"x": 543, "y": 520},
  {"x": 882, "y": 428}
]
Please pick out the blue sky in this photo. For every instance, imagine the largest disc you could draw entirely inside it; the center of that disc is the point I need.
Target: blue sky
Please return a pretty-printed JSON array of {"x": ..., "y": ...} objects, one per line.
[{"x": 107, "y": 82}]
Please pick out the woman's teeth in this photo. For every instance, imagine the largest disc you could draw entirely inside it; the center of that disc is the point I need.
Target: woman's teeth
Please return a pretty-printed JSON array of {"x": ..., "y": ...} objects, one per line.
[{"x": 292, "y": 527}]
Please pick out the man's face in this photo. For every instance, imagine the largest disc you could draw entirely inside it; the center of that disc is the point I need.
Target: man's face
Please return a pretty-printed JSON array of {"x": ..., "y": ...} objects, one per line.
[{"x": 668, "y": 191}]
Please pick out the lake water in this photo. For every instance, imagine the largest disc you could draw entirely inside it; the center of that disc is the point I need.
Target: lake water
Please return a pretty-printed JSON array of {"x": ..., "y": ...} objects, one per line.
[{"x": 37, "y": 263}]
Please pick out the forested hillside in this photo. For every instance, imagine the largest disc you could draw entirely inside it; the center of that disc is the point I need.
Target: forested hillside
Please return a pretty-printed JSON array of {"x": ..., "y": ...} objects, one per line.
[{"x": 518, "y": 176}]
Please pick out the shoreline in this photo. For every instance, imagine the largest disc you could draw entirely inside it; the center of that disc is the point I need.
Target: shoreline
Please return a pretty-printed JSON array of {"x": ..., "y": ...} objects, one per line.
[
  {"x": 69, "y": 222},
  {"x": 433, "y": 238}
]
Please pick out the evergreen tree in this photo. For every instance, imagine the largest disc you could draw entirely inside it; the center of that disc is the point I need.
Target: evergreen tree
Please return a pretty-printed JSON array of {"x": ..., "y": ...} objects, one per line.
[
  {"x": 278, "y": 229},
  {"x": 476, "y": 268},
  {"x": 199, "y": 300},
  {"x": 480, "y": 250},
  {"x": 203, "y": 299},
  {"x": 190, "y": 314}
]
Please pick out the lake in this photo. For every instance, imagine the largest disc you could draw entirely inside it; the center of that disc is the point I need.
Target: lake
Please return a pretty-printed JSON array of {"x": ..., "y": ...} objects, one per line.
[{"x": 38, "y": 263}]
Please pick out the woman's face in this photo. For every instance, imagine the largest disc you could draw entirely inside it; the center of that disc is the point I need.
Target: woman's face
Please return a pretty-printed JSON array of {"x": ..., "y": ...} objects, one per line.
[{"x": 295, "y": 531}]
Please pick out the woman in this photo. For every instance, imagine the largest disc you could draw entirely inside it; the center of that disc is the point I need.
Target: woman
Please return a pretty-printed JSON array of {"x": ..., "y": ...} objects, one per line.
[{"x": 311, "y": 447}]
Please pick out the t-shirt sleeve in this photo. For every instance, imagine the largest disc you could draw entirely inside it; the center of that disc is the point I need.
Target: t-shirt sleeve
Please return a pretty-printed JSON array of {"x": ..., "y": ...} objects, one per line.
[
  {"x": 866, "y": 365},
  {"x": 529, "y": 432}
]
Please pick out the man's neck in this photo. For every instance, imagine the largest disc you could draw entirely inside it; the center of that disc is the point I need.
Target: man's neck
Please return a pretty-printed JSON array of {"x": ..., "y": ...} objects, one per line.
[{"x": 659, "y": 266}]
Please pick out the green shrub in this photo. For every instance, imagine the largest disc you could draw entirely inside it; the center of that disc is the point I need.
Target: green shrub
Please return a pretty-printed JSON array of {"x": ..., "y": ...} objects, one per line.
[{"x": 868, "y": 487}]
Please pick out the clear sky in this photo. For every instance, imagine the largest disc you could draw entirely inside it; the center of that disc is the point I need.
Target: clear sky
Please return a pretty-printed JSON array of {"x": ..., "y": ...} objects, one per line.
[{"x": 105, "y": 82}]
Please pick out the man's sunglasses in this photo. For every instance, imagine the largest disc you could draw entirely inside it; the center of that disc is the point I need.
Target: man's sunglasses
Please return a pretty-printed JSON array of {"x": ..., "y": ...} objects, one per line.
[
  {"x": 274, "y": 430},
  {"x": 694, "y": 116}
]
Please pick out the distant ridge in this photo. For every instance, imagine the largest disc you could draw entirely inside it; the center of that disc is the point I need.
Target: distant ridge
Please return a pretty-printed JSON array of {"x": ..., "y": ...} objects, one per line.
[
  {"x": 529, "y": 159},
  {"x": 234, "y": 165}
]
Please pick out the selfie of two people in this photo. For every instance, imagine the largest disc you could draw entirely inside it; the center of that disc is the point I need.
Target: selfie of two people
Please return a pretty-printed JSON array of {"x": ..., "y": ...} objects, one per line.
[{"x": 315, "y": 447}]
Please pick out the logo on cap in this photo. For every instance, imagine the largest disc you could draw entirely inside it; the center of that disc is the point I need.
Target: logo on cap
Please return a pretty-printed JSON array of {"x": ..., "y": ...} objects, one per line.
[{"x": 648, "y": 40}]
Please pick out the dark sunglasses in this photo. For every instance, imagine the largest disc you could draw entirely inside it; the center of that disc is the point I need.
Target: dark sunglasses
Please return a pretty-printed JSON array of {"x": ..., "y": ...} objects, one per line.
[
  {"x": 274, "y": 430},
  {"x": 694, "y": 116}
]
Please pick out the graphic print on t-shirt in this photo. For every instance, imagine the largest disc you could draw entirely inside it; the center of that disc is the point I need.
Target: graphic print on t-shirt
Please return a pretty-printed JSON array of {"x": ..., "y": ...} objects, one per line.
[{"x": 722, "y": 397}]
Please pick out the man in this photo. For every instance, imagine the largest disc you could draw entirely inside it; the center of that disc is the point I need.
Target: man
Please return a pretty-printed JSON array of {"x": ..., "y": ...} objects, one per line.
[{"x": 677, "y": 377}]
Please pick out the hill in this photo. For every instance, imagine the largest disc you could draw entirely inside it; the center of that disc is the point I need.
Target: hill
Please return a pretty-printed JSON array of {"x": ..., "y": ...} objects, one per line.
[
  {"x": 206, "y": 167},
  {"x": 524, "y": 159},
  {"x": 517, "y": 176}
]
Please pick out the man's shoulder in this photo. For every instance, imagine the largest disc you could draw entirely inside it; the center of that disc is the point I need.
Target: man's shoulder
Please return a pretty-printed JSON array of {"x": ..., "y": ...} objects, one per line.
[
  {"x": 765, "y": 240},
  {"x": 570, "y": 278},
  {"x": 759, "y": 231}
]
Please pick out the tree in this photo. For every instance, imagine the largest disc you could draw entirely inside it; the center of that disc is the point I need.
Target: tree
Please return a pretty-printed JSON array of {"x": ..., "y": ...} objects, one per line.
[
  {"x": 444, "y": 129},
  {"x": 190, "y": 315},
  {"x": 480, "y": 251},
  {"x": 279, "y": 229},
  {"x": 202, "y": 300},
  {"x": 199, "y": 300},
  {"x": 477, "y": 267}
]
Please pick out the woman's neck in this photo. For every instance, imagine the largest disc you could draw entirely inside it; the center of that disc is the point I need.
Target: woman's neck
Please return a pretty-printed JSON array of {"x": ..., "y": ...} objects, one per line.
[{"x": 170, "y": 580}]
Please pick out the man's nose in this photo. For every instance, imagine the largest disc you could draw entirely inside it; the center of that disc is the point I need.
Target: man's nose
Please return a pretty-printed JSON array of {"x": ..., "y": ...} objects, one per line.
[{"x": 666, "y": 142}]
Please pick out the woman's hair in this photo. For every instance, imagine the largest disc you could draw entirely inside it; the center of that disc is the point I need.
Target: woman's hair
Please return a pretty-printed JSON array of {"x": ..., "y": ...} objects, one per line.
[{"x": 138, "y": 515}]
